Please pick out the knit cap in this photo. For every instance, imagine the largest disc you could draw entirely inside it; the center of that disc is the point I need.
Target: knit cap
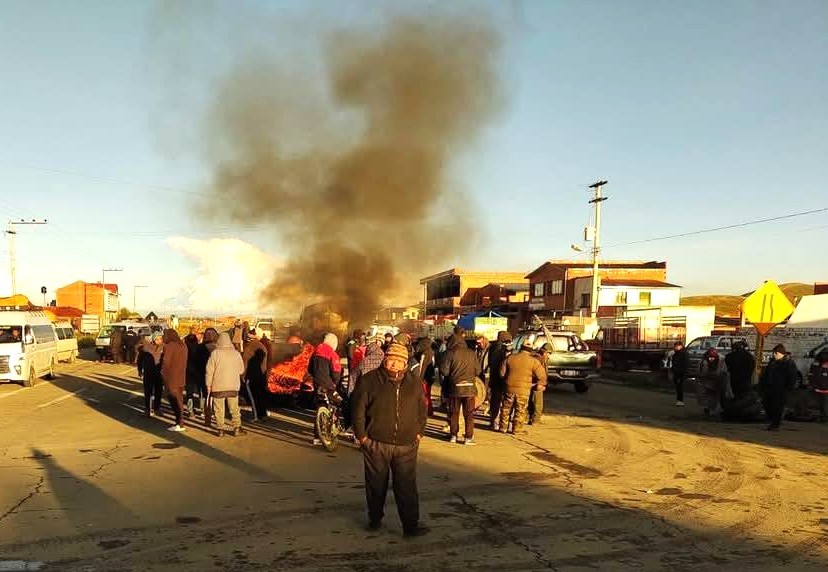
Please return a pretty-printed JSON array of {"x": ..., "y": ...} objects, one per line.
[{"x": 397, "y": 350}]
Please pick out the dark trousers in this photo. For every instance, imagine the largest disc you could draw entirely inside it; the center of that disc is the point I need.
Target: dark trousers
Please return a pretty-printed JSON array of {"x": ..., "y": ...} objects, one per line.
[
  {"x": 467, "y": 405},
  {"x": 261, "y": 397},
  {"x": 153, "y": 389},
  {"x": 774, "y": 407},
  {"x": 536, "y": 406},
  {"x": 176, "y": 399},
  {"x": 495, "y": 402},
  {"x": 678, "y": 381},
  {"x": 822, "y": 399},
  {"x": 400, "y": 462}
]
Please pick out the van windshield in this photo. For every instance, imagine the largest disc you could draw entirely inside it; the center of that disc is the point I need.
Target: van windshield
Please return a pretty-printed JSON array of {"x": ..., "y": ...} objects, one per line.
[
  {"x": 10, "y": 334},
  {"x": 105, "y": 331}
]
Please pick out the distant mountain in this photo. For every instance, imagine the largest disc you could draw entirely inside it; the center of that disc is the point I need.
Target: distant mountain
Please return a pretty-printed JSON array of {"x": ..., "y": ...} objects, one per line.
[{"x": 728, "y": 305}]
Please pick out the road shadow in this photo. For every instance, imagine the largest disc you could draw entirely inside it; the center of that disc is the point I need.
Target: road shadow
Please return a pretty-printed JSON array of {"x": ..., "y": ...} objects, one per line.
[
  {"x": 521, "y": 518},
  {"x": 110, "y": 404},
  {"x": 646, "y": 407}
]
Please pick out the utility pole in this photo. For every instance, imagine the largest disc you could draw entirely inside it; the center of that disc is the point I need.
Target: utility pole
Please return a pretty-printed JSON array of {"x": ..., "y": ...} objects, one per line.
[
  {"x": 596, "y": 200},
  {"x": 134, "y": 289},
  {"x": 103, "y": 288},
  {"x": 12, "y": 254}
]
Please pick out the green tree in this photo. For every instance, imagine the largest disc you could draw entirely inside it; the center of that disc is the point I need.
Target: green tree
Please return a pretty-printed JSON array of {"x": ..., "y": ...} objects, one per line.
[{"x": 124, "y": 313}]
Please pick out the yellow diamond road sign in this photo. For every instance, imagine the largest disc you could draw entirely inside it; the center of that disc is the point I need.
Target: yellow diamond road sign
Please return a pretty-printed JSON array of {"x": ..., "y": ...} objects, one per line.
[{"x": 767, "y": 307}]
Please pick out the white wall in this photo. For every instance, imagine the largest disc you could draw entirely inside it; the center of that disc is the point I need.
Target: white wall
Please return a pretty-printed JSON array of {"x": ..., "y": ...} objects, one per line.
[{"x": 669, "y": 296}]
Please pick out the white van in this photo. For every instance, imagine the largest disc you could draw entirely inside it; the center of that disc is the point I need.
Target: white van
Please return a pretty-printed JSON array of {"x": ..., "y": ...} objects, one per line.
[
  {"x": 67, "y": 342},
  {"x": 28, "y": 346}
]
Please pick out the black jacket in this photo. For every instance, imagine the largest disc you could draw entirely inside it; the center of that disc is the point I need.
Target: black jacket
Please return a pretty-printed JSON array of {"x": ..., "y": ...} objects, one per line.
[
  {"x": 680, "y": 363},
  {"x": 498, "y": 352},
  {"x": 389, "y": 411},
  {"x": 779, "y": 376},
  {"x": 147, "y": 368},
  {"x": 741, "y": 365},
  {"x": 459, "y": 367}
]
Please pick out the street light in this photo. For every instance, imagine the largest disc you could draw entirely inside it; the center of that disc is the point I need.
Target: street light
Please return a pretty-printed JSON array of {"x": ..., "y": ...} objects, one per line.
[
  {"x": 134, "y": 289},
  {"x": 596, "y": 200},
  {"x": 103, "y": 287}
]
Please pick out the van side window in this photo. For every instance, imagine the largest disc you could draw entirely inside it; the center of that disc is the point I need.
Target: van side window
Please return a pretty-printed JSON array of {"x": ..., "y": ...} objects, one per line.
[
  {"x": 43, "y": 334},
  {"x": 60, "y": 334}
]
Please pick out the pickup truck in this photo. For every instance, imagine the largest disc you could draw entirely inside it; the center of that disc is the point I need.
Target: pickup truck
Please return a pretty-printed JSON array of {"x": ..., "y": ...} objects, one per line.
[{"x": 570, "y": 361}]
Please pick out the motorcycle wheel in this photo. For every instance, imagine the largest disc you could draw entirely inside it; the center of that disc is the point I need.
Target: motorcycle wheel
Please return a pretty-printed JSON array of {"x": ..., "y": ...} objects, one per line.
[{"x": 325, "y": 429}]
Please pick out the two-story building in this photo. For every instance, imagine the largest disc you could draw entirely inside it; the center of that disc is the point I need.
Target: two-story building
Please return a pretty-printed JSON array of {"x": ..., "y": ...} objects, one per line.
[
  {"x": 456, "y": 290},
  {"x": 616, "y": 296},
  {"x": 95, "y": 298},
  {"x": 554, "y": 287}
]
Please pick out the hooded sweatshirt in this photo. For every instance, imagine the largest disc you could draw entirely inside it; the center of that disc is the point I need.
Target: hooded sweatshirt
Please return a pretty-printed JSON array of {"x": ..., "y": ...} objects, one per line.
[
  {"x": 324, "y": 365},
  {"x": 224, "y": 369},
  {"x": 174, "y": 362}
]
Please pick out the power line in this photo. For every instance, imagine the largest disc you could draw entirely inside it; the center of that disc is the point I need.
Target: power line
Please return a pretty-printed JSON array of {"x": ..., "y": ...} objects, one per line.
[{"x": 718, "y": 228}]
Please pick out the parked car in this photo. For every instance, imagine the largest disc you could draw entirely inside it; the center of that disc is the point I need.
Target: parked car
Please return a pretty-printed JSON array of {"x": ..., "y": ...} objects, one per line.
[
  {"x": 811, "y": 360},
  {"x": 28, "y": 346},
  {"x": 102, "y": 341},
  {"x": 570, "y": 360},
  {"x": 67, "y": 342},
  {"x": 698, "y": 347}
]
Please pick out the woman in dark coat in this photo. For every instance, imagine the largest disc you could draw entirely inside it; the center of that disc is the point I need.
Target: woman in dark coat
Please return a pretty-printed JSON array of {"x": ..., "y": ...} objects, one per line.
[{"x": 174, "y": 372}]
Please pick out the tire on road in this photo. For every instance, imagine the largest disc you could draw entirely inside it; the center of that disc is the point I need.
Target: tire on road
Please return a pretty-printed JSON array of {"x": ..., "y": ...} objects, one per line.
[
  {"x": 31, "y": 380},
  {"x": 325, "y": 430}
]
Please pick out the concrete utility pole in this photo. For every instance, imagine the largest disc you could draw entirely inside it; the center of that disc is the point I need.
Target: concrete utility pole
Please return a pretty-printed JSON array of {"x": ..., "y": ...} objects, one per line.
[
  {"x": 12, "y": 254},
  {"x": 103, "y": 287},
  {"x": 134, "y": 289},
  {"x": 596, "y": 200}
]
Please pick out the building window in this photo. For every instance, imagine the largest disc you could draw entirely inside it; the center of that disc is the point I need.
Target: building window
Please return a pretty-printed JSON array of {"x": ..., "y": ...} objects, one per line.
[
  {"x": 537, "y": 289},
  {"x": 585, "y": 301},
  {"x": 556, "y": 287},
  {"x": 645, "y": 298},
  {"x": 621, "y": 298}
]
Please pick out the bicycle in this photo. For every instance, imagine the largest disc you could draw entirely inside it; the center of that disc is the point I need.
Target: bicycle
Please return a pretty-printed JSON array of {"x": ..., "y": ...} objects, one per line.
[{"x": 328, "y": 421}]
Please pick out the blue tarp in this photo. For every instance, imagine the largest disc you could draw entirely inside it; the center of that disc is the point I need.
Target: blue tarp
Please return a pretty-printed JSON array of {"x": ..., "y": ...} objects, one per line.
[{"x": 467, "y": 322}]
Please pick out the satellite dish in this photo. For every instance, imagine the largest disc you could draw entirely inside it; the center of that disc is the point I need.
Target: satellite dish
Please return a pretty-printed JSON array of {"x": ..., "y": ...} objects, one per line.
[{"x": 575, "y": 247}]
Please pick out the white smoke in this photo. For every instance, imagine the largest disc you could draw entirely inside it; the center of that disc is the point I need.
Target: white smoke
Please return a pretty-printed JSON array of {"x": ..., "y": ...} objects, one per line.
[{"x": 231, "y": 273}]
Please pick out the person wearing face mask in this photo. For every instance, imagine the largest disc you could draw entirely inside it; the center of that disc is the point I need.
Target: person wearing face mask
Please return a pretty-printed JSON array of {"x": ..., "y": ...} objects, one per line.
[{"x": 389, "y": 413}]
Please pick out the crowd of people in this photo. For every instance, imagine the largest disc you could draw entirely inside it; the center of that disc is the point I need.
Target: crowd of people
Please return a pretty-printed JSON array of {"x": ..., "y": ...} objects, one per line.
[
  {"x": 727, "y": 383},
  {"x": 204, "y": 375}
]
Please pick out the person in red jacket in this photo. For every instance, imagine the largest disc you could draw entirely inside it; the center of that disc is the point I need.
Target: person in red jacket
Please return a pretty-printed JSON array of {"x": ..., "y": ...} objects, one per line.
[{"x": 326, "y": 371}]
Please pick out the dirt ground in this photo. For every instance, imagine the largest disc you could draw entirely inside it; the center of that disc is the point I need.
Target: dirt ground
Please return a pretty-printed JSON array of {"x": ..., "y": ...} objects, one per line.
[{"x": 616, "y": 479}]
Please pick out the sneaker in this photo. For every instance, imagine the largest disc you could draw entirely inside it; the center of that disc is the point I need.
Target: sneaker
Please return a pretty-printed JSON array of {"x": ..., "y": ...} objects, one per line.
[
  {"x": 469, "y": 442},
  {"x": 453, "y": 440},
  {"x": 238, "y": 432},
  {"x": 375, "y": 525},
  {"x": 176, "y": 428},
  {"x": 316, "y": 441},
  {"x": 679, "y": 404}
]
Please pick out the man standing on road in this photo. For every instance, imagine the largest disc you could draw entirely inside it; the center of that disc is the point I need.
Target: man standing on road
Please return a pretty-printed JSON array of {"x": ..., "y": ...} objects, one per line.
[
  {"x": 741, "y": 365},
  {"x": 460, "y": 367},
  {"x": 174, "y": 372},
  {"x": 679, "y": 364},
  {"x": 224, "y": 370},
  {"x": 521, "y": 370},
  {"x": 497, "y": 385},
  {"x": 116, "y": 344},
  {"x": 390, "y": 415},
  {"x": 536, "y": 399},
  {"x": 778, "y": 378}
]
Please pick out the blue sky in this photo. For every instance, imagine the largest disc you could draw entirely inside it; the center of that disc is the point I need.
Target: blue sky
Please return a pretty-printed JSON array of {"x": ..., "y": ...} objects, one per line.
[{"x": 700, "y": 114}]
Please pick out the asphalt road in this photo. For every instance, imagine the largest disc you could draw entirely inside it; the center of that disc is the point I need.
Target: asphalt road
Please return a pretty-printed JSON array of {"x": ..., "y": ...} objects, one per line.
[{"x": 616, "y": 479}]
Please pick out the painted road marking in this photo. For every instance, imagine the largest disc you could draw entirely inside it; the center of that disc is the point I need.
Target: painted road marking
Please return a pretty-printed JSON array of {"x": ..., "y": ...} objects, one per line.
[
  {"x": 59, "y": 399},
  {"x": 5, "y": 395}
]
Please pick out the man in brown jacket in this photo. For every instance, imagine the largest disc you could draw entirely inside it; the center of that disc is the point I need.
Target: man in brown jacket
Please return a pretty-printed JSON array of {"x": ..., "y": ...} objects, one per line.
[
  {"x": 521, "y": 371},
  {"x": 174, "y": 372}
]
